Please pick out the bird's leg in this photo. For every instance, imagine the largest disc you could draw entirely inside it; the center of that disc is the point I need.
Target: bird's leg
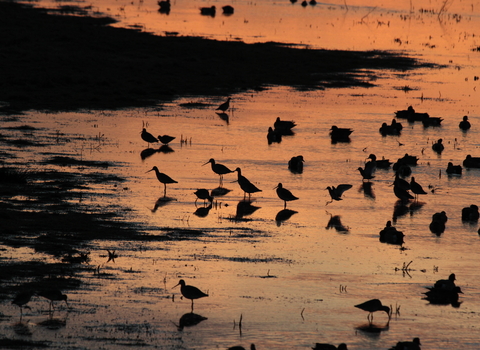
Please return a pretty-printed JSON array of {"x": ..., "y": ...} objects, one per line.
[
  {"x": 192, "y": 305},
  {"x": 285, "y": 206},
  {"x": 165, "y": 190}
]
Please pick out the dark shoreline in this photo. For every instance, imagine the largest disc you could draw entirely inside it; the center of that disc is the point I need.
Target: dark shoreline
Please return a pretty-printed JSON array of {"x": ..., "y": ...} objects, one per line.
[{"x": 55, "y": 63}]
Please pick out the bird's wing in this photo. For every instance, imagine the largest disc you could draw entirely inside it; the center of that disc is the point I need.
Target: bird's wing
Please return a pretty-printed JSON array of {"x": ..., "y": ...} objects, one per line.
[{"x": 342, "y": 188}]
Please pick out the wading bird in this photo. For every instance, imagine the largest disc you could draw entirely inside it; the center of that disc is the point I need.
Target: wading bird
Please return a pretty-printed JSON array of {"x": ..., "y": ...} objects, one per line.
[
  {"x": 336, "y": 192},
  {"x": 416, "y": 188},
  {"x": 147, "y": 137},
  {"x": 190, "y": 292},
  {"x": 284, "y": 194},
  {"x": 219, "y": 169},
  {"x": 246, "y": 185},
  {"x": 372, "y": 306},
  {"x": 166, "y": 139},
  {"x": 225, "y": 105},
  {"x": 21, "y": 300},
  {"x": 408, "y": 345},
  {"x": 202, "y": 193},
  {"x": 53, "y": 295},
  {"x": 163, "y": 178}
]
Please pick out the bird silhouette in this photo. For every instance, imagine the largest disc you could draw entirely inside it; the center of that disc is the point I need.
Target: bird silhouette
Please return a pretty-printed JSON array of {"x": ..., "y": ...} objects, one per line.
[
  {"x": 416, "y": 188},
  {"x": 202, "y": 193},
  {"x": 219, "y": 169},
  {"x": 21, "y": 300},
  {"x": 372, "y": 306},
  {"x": 147, "y": 137},
  {"x": 285, "y": 194},
  {"x": 438, "y": 146},
  {"x": 464, "y": 124},
  {"x": 336, "y": 192},
  {"x": 53, "y": 295},
  {"x": 225, "y": 105},
  {"x": 295, "y": 164},
  {"x": 166, "y": 139},
  {"x": 245, "y": 184},
  {"x": 163, "y": 178},
  {"x": 190, "y": 292},
  {"x": 408, "y": 345}
]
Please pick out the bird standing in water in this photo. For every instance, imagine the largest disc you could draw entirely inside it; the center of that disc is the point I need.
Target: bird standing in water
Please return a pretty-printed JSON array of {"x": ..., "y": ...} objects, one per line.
[
  {"x": 190, "y": 292},
  {"x": 163, "y": 178},
  {"x": 336, "y": 192},
  {"x": 224, "y": 106},
  {"x": 285, "y": 194},
  {"x": 21, "y": 300},
  {"x": 147, "y": 137},
  {"x": 166, "y": 139},
  {"x": 53, "y": 295},
  {"x": 416, "y": 188},
  {"x": 372, "y": 306},
  {"x": 219, "y": 169},
  {"x": 246, "y": 185}
]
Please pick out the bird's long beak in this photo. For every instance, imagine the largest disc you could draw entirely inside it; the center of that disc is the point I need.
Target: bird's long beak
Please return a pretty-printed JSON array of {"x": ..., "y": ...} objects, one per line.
[
  {"x": 206, "y": 163},
  {"x": 275, "y": 187},
  {"x": 176, "y": 285},
  {"x": 149, "y": 171}
]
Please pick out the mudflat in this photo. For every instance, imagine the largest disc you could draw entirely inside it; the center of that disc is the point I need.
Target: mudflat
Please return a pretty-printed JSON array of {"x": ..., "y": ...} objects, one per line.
[{"x": 57, "y": 62}]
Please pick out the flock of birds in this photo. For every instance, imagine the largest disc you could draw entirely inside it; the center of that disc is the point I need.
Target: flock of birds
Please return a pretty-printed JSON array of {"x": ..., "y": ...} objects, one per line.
[{"x": 443, "y": 291}]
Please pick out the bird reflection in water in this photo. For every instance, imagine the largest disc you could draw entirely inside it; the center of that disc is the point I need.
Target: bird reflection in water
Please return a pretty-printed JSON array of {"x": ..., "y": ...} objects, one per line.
[
  {"x": 284, "y": 215},
  {"x": 224, "y": 116},
  {"x": 202, "y": 212},
  {"x": 336, "y": 223},
  {"x": 367, "y": 189},
  {"x": 245, "y": 208},
  {"x": 189, "y": 319},
  {"x": 161, "y": 202},
  {"x": 53, "y": 323},
  {"x": 372, "y": 330},
  {"x": 401, "y": 209}
]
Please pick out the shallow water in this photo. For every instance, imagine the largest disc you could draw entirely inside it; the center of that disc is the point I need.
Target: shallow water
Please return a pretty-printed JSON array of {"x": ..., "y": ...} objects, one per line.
[{"x": 292, "y": 283}]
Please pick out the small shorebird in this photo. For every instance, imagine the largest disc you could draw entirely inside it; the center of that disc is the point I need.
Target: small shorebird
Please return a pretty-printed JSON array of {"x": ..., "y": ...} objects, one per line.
[
  {"x": 295, "y": 164},
  {"x": 225, "y": 105},
  {"x": 454, "y": 169},
  {"x": 438, "y": 146},
  {"x": 190, "y": 292},
  {"x": 446, "y": 284},
  {"x": 246, "y": 185},
  {"x": 408, "y": 345},
  {"x": 164, "y": 6},
  {"x": 340, "y": 134},
  {"x": 166, "y": 139},
  {"x": 284, "y": 124},
  {"x": 53, "y": 295},
  {"x": 366, "y": 173},
  {"x": 202, "y": 193},
  {"x": 372, "y": 306},
  {"x": 147, "y": 137},
  {"x": 21, "y": 300},
  {"x": 208, "y": 11},
  {"x": 228, "y": 10},
  {"x": 163, "y": 178},
  {"x": 284, "y": 194},
  {"x": 336, "y": 192},
  {"x": 416, "y": 188},
  {"x": 219, "y": 169},
  {"x": 464, "y": 124},
  {"x": 238, "y": 347}
]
